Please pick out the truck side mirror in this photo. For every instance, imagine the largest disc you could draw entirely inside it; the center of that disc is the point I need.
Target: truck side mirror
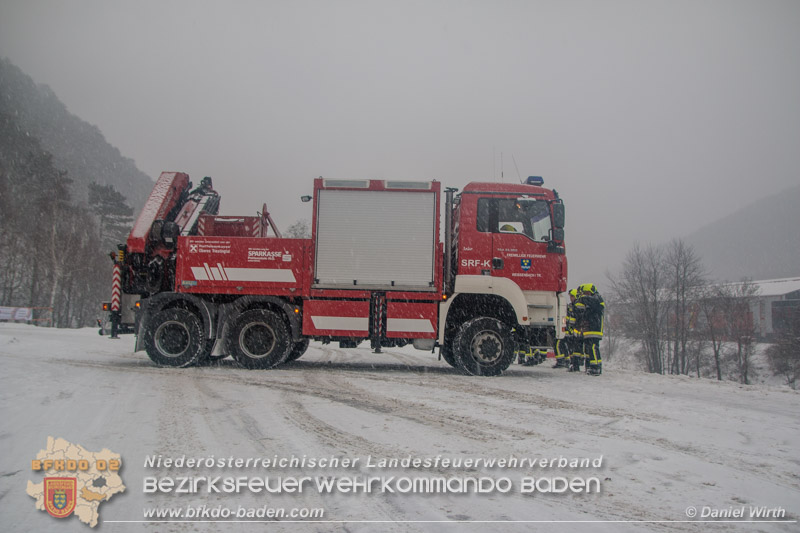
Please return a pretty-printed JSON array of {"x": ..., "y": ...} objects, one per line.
[
  {"x": 558, "y": 218},
  {"x": 557, "y": 234}
]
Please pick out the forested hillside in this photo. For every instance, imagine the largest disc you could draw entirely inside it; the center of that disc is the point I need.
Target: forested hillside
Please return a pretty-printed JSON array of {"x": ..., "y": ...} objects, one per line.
[
  {"x": 76, "y": 146},
  {"x": 55, "y": 231}
]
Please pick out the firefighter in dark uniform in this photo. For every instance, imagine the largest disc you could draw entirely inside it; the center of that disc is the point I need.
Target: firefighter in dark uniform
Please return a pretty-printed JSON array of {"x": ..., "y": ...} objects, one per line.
[
  {"x": 564, "y": 346},
  {"x": 593, "y": 319},
  {"x": 577, "y": 356}
]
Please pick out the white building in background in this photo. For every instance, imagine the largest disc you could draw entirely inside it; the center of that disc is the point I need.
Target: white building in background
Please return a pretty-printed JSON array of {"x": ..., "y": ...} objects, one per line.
[{"x": 777, "y": 301}]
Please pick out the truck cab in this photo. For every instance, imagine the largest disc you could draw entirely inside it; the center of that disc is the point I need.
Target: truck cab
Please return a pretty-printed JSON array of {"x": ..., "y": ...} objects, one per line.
[{"x": 508, "y": 259}]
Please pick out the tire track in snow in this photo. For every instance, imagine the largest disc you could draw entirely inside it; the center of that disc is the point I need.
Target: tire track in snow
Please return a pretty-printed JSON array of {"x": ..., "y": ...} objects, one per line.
[
  {"x": 343, "y": 443},
  {"x": 419, "y": 412},
  {"x": 467, "y": 385},
  {"x": 237, "y": 422},
  {"x": 350, "y": 443}
]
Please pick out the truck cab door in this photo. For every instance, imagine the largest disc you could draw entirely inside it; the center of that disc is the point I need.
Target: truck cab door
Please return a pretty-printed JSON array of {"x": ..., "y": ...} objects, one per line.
[
  {"x": 475, "y": 239},
  {"x": 520, "y": 236}
]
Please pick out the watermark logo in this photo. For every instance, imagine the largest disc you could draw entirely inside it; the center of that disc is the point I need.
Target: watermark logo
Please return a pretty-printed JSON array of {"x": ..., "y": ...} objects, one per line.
[{"x": 76, "y": 480}]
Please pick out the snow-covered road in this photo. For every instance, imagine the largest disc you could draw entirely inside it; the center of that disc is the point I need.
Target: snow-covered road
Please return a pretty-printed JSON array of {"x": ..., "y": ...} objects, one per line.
[{"x": 667, "y": 443}]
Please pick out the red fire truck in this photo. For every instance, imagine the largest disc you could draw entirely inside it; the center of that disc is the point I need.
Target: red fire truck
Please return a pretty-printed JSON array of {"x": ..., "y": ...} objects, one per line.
[{"x": 195, "y": 285}]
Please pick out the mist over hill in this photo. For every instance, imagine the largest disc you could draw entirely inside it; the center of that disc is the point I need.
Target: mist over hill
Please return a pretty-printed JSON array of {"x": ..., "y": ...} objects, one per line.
[
  {"x": 759, "y": 241},
  {"x": 77, "y": 146}
]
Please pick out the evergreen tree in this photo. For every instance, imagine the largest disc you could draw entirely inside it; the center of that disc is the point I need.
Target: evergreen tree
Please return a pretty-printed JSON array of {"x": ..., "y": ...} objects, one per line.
[{"x": 115, "y": 217}]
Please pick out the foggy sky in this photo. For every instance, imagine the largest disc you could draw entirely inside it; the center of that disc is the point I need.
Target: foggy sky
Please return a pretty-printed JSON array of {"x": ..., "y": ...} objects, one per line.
[{"x": 650, "y": 118}]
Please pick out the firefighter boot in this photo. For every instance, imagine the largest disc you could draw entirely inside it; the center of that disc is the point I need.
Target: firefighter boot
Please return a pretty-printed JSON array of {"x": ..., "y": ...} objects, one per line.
[
  {"x": 561, "y": 362},
  {"x": 594, "y": 369},
  {"x": 529, "y": 357},
  {"x": 575, "y": 364}
]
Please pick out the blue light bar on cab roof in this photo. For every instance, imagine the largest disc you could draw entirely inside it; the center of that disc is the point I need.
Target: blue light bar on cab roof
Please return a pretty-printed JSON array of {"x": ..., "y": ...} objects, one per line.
[{"x": 535, "y": 180}]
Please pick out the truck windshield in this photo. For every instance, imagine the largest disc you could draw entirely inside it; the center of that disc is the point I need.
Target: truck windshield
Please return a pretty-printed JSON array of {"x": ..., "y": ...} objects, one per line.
[{"x": 527, "y": 217}]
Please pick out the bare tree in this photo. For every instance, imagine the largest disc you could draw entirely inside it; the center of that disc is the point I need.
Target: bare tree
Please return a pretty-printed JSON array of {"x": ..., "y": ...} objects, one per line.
[
  {"x": 610, "y": 336},
  {"x": 685, "y": 277},
  {"x": 298, "y": 230},
  {"x": 784, "y": 355},
  {"x": 712, "y": 307},
  {"x": 740, "y": 325},
  {"x": 639, "y": 288}
]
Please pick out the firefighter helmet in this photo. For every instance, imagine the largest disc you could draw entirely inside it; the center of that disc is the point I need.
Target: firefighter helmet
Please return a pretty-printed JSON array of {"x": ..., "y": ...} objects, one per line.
[
  {"x": 588, "y": 287},
  {"x": 574, "y": 293}
]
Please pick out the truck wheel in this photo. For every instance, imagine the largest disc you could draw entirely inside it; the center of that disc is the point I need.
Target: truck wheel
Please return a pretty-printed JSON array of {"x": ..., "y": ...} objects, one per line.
[
  {"x": 174, "y": 337},
  {"x": 447, "y": 354},
  {"x": 259, "y": 339},
  {"x": 298, "y": 349},
  {"x": 483, "y": 347}
]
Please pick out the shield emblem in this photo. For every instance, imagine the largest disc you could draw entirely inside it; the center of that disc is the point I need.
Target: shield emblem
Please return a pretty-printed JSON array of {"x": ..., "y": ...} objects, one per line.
[
  {"x": 60, "y": 495},
  {"x": 525, "y": 264}
]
